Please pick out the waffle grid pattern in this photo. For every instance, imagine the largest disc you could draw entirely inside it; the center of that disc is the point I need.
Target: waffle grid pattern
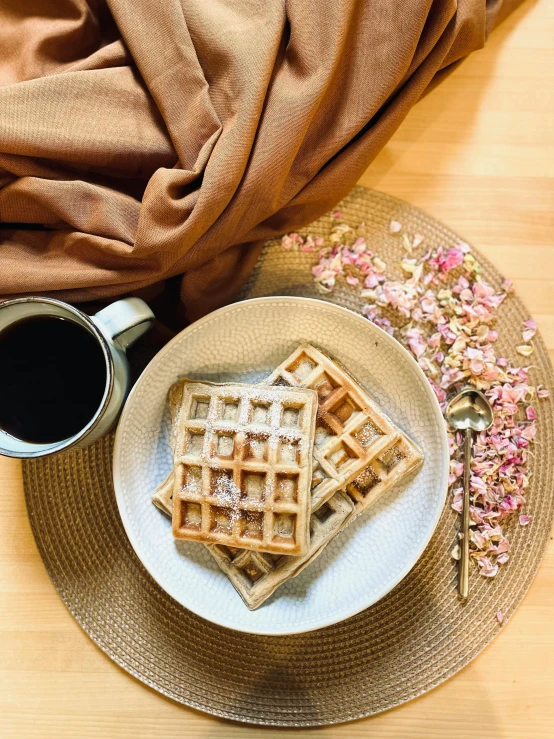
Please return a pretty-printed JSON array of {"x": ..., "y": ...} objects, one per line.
[
  {"x": 351, "y": 431},
  {"x": 256, "y": 575},
  {"x": 242, "y": 466},
  {"x": 382, "y": 474}
]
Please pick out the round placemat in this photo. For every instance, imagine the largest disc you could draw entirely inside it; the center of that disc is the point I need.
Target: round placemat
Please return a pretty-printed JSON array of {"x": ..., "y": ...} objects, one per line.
[{"x": 412, "y": 640}]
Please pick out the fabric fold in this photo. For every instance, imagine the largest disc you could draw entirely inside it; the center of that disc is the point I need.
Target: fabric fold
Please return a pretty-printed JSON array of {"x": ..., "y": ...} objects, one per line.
[{"x": 169, "y": 139}]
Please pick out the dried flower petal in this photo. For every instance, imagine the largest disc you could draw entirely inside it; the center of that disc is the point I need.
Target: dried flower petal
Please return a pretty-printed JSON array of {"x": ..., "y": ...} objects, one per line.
[
  {"x": 499, "y": 617},
  {"x": 395, "y": 227},
  {"x": 524, "y": 520},
  {"x": 525, "y": 350},
  {"x": 455, "y": 553},
  {"x": 487, "y": 568},
  {"x": 336, "y": 214},
  {"x": 529, "y": 331}
]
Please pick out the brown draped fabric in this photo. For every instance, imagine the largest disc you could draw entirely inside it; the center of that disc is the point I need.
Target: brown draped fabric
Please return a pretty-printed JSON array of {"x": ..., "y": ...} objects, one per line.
[{"x": 157, "y": 138}]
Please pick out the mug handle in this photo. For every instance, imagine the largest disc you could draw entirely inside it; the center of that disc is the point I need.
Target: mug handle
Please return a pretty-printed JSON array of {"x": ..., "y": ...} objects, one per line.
[{"x": 124, "y": 321}]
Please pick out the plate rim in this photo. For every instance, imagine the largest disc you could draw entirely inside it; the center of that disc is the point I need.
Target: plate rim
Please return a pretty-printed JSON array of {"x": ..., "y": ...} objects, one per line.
[{"x": 298, "y": 300}]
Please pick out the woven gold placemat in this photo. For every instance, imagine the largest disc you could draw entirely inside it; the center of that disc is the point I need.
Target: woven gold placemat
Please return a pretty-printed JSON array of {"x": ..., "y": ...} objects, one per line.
[{"x": 409, "y": 642}]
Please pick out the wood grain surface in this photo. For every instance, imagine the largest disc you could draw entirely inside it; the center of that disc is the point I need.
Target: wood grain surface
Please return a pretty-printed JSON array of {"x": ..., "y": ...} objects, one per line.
[{"x": 478, "y": 154}]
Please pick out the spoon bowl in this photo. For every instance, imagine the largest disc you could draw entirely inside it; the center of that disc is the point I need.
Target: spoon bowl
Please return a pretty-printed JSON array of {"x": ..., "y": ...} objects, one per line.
[{"x": 470, "y": 409}]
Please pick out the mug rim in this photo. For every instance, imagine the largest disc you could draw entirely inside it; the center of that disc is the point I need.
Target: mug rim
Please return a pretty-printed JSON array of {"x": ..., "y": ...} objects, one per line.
[{"x": 108, "y": 391}]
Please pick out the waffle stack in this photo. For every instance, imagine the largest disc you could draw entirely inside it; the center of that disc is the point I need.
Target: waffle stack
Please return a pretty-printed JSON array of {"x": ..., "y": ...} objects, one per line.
[{"x": 354, "y": 451}]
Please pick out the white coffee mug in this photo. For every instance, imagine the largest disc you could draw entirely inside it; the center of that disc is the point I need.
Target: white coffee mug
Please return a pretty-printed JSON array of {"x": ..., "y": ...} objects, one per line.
[{"x": 115, "y": 328}]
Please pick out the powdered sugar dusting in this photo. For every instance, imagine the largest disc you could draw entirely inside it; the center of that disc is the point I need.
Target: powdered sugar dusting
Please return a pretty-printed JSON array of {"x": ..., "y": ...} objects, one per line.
[{"x": 224, "y": 489}]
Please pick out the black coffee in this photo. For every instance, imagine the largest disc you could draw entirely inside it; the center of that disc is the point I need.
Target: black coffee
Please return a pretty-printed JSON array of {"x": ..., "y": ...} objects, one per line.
[{"x": 52, "y": 378}]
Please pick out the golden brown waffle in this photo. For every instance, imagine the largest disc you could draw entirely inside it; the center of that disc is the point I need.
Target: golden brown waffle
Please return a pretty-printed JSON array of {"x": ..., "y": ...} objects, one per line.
[
  {"x": 243, "y": 466},
  {"x": 256, "y": 575},
  {"x": 351, "y": 430},
  {"x": 382, "y": 474}
]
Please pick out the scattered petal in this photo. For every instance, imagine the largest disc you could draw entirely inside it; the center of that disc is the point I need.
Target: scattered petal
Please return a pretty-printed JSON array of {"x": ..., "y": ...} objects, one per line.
[
  {"x": 487, "y": 568},
  {"x": 529, "y": 332},
  {"x": 524, "y": 520},
  {"x": 407, "y": 243},
  {"x": 499, "y": 617},
  {"x": 525, "y": 350},
  {"x": 336, "y": 214},
  {"x": 395, "y": 227}
]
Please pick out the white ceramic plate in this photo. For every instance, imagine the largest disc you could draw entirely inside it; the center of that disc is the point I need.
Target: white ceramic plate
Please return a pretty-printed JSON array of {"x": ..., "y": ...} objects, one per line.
[{"x": 244, "y": 342}]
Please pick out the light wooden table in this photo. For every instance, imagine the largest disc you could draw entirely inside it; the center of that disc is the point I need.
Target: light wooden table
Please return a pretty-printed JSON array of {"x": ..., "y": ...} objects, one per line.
[{"x": 477, "y": 153}]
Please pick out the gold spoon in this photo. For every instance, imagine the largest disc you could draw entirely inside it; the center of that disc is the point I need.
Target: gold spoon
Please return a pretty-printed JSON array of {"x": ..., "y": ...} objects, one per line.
[{"x": 469, "y": 411}]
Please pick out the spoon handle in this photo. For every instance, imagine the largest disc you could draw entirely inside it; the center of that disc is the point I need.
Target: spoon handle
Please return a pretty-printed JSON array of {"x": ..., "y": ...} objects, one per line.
[{"x": 463, "y": 575}]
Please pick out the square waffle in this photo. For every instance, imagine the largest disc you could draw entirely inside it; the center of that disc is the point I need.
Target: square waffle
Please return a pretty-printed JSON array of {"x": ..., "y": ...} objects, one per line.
[
  {"x": 242, "y": 464},
  {"x": 256, "y": 576},
  {"x": 351, "y": 430}
]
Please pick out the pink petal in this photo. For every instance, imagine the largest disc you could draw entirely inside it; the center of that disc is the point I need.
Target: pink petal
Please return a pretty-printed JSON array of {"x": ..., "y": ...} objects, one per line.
[
  {"x": 499, "y": 617},
  {"x": 371, "y": 281},
  {"x": 529, "y": 433},
  {"x": 530, "y": 329},
  {"x": 336, "y": 214},
  {"x": 486, "y": 568},
  {"x": 476, "y": 367},
  {"x": 524, "y": 520}
]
